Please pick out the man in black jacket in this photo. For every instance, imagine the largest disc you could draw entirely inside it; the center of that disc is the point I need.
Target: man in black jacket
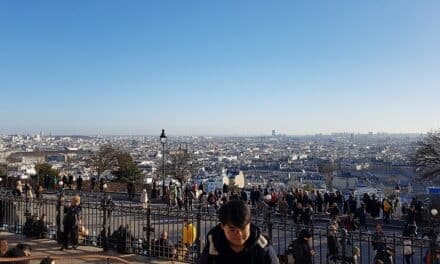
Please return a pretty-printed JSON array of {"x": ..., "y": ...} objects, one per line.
[
  {"x": 236, "y": 240},
  {"x": 332, "y": 242},
  {"x": 71, "y": 223},
  {"x": 301, "y": 250}
]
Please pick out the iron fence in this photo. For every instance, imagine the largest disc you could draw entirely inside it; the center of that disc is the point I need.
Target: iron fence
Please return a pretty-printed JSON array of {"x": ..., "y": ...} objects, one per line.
[{"x": 130, "y": 228}]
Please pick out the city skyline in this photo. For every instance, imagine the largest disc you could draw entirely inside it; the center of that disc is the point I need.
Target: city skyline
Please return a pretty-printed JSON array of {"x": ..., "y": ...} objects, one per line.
[{"x": 228, "y": 68}]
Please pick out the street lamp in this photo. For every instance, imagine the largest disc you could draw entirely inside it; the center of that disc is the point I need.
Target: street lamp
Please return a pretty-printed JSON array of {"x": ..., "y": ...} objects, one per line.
[
  {"x": 59, "y": 211},
  {"x": 107, "y": 207},
  {"x": 163, "y": 140}
]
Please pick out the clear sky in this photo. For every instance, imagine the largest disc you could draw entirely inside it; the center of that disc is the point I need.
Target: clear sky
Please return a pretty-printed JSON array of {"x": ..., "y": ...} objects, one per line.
[{"x": 219, "y": 67}]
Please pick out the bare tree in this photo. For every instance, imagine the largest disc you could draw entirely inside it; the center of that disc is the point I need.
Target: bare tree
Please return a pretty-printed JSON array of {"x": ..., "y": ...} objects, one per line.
[
  {"x": 104, "y": 159},
  {"x": 182, "y": 165},
  {"x": 427, "y": 156}
]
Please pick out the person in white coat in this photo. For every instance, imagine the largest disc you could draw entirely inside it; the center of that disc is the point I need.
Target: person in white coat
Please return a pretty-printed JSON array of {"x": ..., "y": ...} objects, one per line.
[{"x": 144, "y": 198}]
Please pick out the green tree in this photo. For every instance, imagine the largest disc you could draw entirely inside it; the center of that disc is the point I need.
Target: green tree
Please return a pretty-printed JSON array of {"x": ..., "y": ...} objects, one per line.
[
  {"x": 427, "y": 156},
  {"x": 44, "y": 170},
  {"x": 126, "y": 171}
]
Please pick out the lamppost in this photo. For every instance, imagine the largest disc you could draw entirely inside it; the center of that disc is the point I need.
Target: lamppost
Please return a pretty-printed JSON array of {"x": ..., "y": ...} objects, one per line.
[
  {"x": 59, "y": 210},
  {"x": 107, "y": 208},
  {"x": 163, "y": 140}
]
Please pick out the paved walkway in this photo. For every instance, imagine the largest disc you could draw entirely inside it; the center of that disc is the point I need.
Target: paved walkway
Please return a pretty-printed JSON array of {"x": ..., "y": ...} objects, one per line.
[{"x": 47, "y": 247}]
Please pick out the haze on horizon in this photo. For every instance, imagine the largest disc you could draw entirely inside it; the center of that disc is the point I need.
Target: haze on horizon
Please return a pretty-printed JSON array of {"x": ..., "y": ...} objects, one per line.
[{"x": 223, "y": 68}]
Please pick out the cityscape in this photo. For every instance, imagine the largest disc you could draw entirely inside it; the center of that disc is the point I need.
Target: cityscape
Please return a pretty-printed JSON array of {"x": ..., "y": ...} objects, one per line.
[{"x": 379, "y": 159}]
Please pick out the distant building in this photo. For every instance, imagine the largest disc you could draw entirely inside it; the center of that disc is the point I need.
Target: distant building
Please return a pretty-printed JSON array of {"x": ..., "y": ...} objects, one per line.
[{"x": 274, "y": 134}]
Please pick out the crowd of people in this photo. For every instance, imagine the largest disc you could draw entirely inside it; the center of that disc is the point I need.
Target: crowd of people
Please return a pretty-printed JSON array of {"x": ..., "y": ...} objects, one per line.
[{"x": 346, "y": 213}]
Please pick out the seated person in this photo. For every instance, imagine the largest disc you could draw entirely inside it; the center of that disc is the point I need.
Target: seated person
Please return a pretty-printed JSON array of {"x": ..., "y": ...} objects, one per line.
[
  {"x": 163, "y": 247},
  {"x": 3, "y": 247},
  {"x": 41, "y": 230},
  {"x": 20, "y": 250}
]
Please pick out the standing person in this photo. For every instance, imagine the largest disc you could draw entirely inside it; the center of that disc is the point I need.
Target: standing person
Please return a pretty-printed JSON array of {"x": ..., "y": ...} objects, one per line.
[
  {"x": 332, "y": 243},
  {"x": 39, "y": 196},
  {"x": 301, "y": 249},
  {"x": 65, "y": 181},
  {"x": 387, "y": 208},
  {"x": 70, "y": 181},
  {"x": 144, "y": 198},
  {"x": 362, "y": 216},
  {"x": 79, "y": 183},
  {"x": 92, "y": 184},
  {"x": 378, "y": 240},
  {"x": 307, "y": 215},
  {"x": 71, "y": 222},
  {"x": 407, "y": 246},
  {"x": 397, "y": 214},
  {"x": 18, "y": 190},
  {"x": 130, "y": 190},
  {"x": 190, "y": 197},
  {"x": 255, "y": 196},
  {"x": 101, "y": 185},
  {"x": 29, "y": 198},
  {"x": 236, "y": 239}
]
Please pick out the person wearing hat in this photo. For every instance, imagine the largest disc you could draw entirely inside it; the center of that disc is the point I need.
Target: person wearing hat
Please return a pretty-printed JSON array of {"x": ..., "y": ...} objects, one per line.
[{"x": 236, "y": 239}]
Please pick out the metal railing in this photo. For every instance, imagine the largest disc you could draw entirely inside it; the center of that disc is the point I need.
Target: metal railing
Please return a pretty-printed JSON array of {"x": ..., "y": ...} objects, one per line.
[
  {"x": 66, "y": 259},
  {"x": 129, "y": 228}
]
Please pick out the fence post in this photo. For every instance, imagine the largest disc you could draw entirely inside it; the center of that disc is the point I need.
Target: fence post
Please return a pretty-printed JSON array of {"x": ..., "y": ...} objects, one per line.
[
  {"x": 199, "y": 229},
  {"x": 59, "y": 213},
  {"x": 104, "y": 224},
  {"x": 269, "y": 227},
  {"x": 148, "y": 228}
]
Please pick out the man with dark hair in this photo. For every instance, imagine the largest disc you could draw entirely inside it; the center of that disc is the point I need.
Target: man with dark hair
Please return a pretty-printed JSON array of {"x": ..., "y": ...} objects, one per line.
[
  {"x": 235, "y": 239},
  {"x": 20, "y": 250},
  {"x": 301, "y": 250}
]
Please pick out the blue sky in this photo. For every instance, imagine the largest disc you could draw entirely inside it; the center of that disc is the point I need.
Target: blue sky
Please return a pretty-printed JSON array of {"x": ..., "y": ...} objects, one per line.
[{"x": 219, "y": 67}]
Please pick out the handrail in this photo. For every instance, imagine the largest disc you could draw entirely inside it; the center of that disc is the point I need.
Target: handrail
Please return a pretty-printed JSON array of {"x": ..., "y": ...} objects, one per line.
[{"x": 87, "y": 257}]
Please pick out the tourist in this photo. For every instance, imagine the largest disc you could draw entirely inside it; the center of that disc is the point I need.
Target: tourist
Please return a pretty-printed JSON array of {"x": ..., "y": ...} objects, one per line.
[{"x": 236, "y": 239}]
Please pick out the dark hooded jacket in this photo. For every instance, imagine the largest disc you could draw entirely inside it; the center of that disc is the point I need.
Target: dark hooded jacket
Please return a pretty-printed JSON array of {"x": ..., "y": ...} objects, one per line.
[{"x": 257, "y": 249}]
